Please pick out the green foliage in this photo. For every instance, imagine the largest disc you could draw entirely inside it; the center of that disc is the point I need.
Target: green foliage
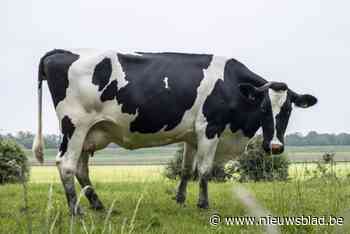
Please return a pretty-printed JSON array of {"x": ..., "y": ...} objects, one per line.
[
  {"x": 25, "y": 139},
  {"x": 256, "y": 165},
  {"x": 14, "y": 166},
  {"x": 173, "y": 168},
  {"x": 328, "y": 157},
  {"x": 324, "y": 170}
]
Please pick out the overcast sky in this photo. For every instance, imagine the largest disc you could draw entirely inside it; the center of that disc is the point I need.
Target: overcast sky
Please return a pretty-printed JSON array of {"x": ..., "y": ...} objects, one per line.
[{"x": 303, "y": 43}]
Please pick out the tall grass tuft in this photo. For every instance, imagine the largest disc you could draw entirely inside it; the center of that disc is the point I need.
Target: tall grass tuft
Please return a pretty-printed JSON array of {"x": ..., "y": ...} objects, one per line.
[
  {"x": 76, "y": 207},
  {"x": 132, "y": 223},
  {"x": 108, "y": 216}
]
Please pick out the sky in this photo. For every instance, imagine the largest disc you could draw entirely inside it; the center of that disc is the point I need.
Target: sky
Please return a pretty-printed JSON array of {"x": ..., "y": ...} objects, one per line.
[{"x": 305, "y": 44}]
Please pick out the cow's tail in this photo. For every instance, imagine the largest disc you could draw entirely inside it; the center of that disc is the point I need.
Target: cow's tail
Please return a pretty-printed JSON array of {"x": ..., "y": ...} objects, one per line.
[{"x": 38, "y": 144}]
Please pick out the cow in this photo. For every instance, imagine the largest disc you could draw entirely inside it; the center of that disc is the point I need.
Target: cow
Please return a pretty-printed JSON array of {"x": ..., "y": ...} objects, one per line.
[{"x": 139, "y": 100}]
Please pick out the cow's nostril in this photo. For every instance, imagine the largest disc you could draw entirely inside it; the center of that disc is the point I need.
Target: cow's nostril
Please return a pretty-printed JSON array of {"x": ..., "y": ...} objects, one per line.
[{"x": 276, "y": 148}]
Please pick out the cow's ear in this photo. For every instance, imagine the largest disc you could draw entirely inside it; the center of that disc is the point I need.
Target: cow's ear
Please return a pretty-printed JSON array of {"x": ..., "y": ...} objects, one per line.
[
  {"x": 303, "y": 101},
  {"x": 251, "y": 93}
]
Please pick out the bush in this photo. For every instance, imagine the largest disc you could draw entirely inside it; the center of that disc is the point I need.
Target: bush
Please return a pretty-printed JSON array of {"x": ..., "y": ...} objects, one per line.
[
  {"x": 255, "y": 164},
  {"x": 324, "y": 169},
  {"x": 14, "y": 166},
  {"x": 173, "y": 168},
  {"x": 328, "y": 157}
]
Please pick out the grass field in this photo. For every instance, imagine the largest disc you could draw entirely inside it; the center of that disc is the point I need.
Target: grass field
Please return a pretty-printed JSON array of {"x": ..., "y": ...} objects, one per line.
[
  {"x": 161, "y": 155},
  {"x": 127, "y": 186}
]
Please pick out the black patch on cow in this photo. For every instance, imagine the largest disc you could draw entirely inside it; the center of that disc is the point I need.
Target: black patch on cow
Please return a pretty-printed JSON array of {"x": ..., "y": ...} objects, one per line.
[
  {"x": 102, "y": 73},
  {"x": 282, "y": 120},
  {"x": 55, "y": 66},
  {"x": 216, "y": 110},
  {"x": 278, "y": 86},
  {"x": 110, "y": 92},
  {"x": 67, "y": 130},
  {"x": 63, "y": 145},
  {"x": 158, "y": 107}
]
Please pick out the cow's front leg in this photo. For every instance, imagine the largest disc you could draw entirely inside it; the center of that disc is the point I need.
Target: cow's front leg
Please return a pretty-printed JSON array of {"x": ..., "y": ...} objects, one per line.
[
  {"x": 67, "y": 170},
  {"x": 204, "y": 163},
  {"x": 66, "y": 161},
  {"x": 84, "y": 180},
  {"x": 186, "y": 173}
]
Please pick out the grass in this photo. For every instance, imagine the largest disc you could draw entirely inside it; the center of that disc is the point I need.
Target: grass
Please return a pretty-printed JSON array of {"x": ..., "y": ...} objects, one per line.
[{"x": 128, "y": 187}]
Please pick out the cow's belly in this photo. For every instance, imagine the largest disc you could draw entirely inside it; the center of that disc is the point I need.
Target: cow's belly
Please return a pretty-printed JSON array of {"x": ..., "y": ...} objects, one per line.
[{"x": 105, "y": 132}]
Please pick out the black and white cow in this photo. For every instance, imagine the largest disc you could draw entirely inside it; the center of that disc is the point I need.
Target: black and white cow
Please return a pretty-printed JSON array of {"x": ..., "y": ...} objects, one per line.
[{"x": 151, "y": 99}]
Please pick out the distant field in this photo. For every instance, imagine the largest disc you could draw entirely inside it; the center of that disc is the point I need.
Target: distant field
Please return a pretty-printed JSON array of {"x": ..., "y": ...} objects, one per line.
[
  {"x": 314, "y": 153},
  {"x": 120, "y": 156},
  {"x": 148, "y": 173},
  {"x": 161, "y": 155},
  {"x": 318, "y": 149}
]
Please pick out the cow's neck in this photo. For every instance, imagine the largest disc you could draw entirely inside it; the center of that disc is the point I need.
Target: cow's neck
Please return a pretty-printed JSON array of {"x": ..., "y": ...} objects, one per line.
[
  {"x": 244, "y": 116},
  {"x": 247, "y": 122}
]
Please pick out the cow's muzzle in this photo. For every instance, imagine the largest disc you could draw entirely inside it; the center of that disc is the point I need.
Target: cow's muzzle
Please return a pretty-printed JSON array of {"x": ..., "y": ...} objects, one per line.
[{"x": 273, "y": 148}]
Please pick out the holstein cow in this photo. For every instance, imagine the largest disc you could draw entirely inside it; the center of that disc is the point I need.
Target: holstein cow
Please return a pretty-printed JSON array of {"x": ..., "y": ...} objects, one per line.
[{"x": 141, "y": 100}]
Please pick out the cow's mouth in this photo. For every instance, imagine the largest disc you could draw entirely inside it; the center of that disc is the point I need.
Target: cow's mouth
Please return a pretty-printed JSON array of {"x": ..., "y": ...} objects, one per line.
[{"x": 273, "y": 148}]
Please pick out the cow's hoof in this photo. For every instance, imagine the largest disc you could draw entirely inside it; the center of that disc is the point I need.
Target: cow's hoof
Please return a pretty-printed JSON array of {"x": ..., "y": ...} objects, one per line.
[
  {"x": 180, "y": 199},
  {"x": 97, "y": 207},
  {"x": 203, "y": 205}
]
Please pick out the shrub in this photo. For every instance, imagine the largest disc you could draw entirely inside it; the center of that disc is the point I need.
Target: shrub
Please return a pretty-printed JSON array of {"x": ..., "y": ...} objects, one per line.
[
  {"x": 328, "y": 157},
  {"x": 255, "y": 164},
  {"x": 324, "y": 169},
  {"x": 173, "y": 168},
  {"x": 14, "y": 166}
]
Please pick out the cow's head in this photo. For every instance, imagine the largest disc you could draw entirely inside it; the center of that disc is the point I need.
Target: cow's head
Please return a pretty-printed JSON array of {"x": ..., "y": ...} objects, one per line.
[{"x": 274, "y": 103}]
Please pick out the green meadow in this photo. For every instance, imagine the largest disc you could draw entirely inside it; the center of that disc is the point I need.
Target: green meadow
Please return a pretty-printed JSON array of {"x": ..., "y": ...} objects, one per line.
[{"x": 138, "y": 199}]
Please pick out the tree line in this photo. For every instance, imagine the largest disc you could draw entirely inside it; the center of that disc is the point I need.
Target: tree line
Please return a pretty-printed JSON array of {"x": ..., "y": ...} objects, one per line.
[
  {"x": 25, "y": 138},
  {"x": 314, "y": 138}
]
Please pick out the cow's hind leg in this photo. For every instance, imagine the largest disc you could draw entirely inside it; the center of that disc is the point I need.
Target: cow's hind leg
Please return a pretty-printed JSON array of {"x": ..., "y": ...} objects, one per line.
[
  {"x": 82, "y": 175},
  {"x": 67, "y": 160},
  {"x": 186, "y": 173}
]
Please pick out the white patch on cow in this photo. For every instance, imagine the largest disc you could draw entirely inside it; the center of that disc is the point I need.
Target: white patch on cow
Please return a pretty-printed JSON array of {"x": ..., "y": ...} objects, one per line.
[
  {"x": 120, "y": 74},
  {"x": 165, "y": 80},
  {"x": 277, "y": 99},
  {"x": 212, "y": 74}
]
